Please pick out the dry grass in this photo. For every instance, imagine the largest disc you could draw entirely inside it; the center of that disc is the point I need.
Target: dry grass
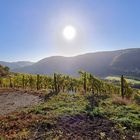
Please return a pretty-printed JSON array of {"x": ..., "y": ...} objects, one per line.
[{"x": 119, "y": 101}]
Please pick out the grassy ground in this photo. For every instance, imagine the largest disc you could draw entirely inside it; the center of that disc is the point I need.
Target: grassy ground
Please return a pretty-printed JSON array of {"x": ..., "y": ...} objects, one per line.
[
  {"x": 124, "y": 113},
  {"x": 74, "y": 117}
]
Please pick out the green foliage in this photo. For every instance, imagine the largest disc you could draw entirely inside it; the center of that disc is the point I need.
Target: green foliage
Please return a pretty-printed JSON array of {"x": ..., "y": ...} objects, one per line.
[
  {"x": 127, "y": 89},
  {"x": 4, "y": 71},
  {"x": 137, "y": 98},
  {"x": 1, "y": 138},
  {"x": 98, "y": 112},
  {"x": 60, "y": 83}
]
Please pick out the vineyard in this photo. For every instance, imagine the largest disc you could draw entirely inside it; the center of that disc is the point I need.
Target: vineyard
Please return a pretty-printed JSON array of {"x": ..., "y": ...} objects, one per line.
[
  {"x": 64, "y": 83},
  {"x": 79, "y": 108}
]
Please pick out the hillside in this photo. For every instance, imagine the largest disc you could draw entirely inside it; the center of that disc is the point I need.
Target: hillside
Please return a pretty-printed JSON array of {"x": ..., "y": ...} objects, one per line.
[
  {"x": 99, "y": 63},
  {"x": 14, "y": 65},
  {"x": 62, "y": 107}
]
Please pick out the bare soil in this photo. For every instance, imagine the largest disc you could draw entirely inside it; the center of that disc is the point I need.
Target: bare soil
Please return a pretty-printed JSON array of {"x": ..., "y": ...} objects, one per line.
[
  {"x": 12, "y": 101},
  {"x": 79, "y": 127}
]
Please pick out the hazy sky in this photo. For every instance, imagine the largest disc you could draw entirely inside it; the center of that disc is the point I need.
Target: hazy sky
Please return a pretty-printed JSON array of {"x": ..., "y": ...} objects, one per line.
[{"x": 32, "y": 29}]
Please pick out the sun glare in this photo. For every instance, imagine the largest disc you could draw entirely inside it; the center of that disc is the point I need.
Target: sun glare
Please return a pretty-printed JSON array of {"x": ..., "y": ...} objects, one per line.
[{"x": 69, "y": 32}]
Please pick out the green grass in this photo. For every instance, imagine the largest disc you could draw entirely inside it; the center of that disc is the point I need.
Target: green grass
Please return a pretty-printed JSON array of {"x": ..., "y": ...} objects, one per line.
[
  {"x": 116, "y": 78},
  {"x": 62, "y": 104},
  {"x": 126, "y": 115}
]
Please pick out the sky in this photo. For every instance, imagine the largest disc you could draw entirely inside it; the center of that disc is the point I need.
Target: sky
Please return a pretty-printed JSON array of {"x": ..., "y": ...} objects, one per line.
[{"x": 32, "y": 29}]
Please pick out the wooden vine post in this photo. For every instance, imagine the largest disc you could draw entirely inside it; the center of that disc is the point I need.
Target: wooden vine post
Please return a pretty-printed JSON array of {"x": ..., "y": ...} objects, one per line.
[
  {"x": 23, "y": 82},
  {"x": 10, "y": 82},
  {"x": 92, "y": 84},
  {"x": 85, "y": 82},
  {"x": 0, "y": 82},
  {"x": 55, "y": 82},
  {"x": 122, "y": 87},
  {"x": 37, "y": 82}
]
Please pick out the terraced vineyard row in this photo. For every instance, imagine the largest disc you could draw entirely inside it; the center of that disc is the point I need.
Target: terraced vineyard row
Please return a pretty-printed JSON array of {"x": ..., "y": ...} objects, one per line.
[{"x": 64, "y": 83}]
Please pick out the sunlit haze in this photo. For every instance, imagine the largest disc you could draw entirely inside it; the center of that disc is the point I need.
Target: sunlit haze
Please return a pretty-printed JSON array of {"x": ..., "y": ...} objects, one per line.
[{"x": 32, "y": 29}]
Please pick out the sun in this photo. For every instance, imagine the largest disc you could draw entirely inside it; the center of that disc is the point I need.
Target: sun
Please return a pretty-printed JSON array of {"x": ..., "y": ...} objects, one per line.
[{"x": 69, "y": 32}]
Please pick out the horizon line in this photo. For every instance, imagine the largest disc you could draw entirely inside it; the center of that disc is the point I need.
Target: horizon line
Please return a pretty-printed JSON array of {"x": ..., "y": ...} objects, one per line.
[{"x": 69, "y": 56}]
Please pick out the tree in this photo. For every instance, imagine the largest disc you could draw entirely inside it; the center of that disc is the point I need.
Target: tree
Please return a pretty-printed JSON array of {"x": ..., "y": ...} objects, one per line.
[{"x": 4, "y": 71}]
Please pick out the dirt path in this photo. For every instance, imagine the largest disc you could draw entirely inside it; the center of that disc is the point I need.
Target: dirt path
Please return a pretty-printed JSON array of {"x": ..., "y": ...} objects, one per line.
[{"x": 11, "y": 101}]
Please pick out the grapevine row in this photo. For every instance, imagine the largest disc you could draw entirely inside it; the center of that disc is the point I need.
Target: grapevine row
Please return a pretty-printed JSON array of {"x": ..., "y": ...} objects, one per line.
[{"x": 65, "y": 83}]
